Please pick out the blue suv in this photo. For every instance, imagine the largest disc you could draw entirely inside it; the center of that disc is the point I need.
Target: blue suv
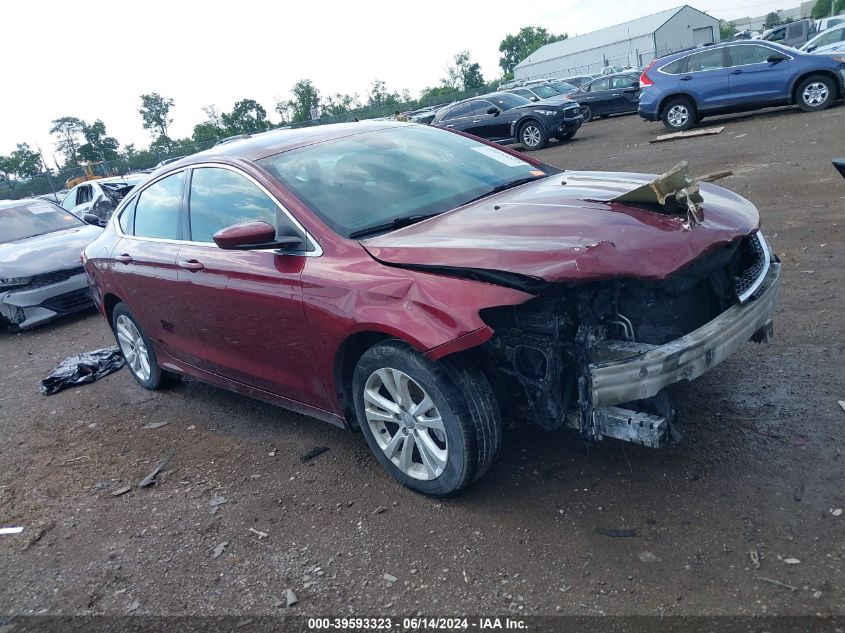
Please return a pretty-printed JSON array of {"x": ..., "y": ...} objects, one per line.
[{"x": 682, "y": 88}]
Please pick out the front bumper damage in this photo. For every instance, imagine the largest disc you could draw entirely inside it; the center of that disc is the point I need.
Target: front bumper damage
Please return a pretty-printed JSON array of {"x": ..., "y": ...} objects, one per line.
[
  {"x": 27, "y": 307},
  {"x": 628, "y": 372}
]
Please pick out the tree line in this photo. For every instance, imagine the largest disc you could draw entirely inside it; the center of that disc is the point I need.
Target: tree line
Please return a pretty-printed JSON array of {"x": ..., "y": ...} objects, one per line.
[{"x": 78, "y": 142}]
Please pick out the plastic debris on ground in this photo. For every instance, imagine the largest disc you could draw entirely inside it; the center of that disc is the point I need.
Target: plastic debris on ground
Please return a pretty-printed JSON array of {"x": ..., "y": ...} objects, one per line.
[
  {"x": 82, "y": 369},
  {"x": 11, "y": 530}
]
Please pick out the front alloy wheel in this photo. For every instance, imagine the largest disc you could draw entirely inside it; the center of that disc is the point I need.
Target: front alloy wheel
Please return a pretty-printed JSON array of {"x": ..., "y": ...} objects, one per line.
[
  {"x": 533, "y": 136},
  {"x": 434, "y": 426},
  {"x": 405, "y": 424}
]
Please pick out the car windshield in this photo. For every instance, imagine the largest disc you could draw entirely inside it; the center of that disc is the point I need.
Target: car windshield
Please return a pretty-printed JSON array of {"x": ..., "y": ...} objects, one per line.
[
  {"x": 506, "y": 100},
  {"x": 562, "y": 87},
  {"x": 373, "y": 179},
  {"x": 545, "y": 91},
  {"x": 34, "y": 218}
]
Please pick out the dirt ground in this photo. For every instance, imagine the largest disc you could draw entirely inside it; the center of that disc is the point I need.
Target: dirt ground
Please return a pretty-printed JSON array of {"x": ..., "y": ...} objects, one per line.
[{"x": 760, "y": 471}]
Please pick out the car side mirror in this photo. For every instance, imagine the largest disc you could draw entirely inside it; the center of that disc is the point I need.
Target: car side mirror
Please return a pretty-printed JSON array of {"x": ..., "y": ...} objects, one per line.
[
  {"x": 254, "y": 236},
  {"x": 90, "y": 218},
  {"x": 810, "y": 49},
  {"x": 774, "y": 59},
  {"x": 534, "y": 99},
  {"x": 493, "y": 110}
]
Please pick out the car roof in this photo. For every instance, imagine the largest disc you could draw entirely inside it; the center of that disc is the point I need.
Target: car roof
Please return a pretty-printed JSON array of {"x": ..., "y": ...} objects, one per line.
[
  {"x": 11, "y": 204},
  {"x": 273, "y": 142}
]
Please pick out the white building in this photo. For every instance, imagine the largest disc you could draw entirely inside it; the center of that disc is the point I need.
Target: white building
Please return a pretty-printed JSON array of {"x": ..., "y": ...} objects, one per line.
[{"x": 633, "y": 43}]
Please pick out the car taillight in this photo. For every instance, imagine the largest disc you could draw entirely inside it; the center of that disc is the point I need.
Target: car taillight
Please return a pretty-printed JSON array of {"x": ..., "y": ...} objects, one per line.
[{"x": 645, "y": 80}]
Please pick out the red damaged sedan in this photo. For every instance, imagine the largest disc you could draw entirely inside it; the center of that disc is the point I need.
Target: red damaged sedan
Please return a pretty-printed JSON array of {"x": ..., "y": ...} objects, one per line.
[{"x": 419, "y": 284}]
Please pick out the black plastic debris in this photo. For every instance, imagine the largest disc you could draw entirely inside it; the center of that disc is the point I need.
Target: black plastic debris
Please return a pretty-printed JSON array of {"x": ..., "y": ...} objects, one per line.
[
  {"x": 314, "y": 452},
  {"x": 82, "y": 369}
]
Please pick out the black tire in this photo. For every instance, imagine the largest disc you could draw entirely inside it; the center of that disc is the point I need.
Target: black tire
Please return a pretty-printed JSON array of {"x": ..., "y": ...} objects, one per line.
[
  {"x": 679, "y": 114},
  {"x": 462, "y": 396},
  {"x": 532, "y": 135},
  {"x": 587, "y": 113},
  {"x": 816, "y": 92},
  {"x": 157, "y": 378},
  {"x": 565, "y": 136}
]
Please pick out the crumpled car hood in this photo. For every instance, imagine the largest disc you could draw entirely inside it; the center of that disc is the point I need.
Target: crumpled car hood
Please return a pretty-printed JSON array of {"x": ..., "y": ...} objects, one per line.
[
  {"x": 568, "y": 232},
  {"x": 44, "y": 253}
]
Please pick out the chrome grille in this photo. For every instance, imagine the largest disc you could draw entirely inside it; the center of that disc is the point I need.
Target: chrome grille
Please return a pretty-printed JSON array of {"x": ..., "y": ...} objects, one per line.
[{"x": 755, "y": 253}]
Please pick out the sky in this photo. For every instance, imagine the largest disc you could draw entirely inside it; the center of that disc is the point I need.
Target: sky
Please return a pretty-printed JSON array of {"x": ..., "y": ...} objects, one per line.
[{"x": 94, "y": 60}]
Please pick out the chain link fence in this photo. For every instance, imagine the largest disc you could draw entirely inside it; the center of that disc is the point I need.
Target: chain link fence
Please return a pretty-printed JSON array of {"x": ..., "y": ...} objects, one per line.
[{"x": 53, "y": 183}]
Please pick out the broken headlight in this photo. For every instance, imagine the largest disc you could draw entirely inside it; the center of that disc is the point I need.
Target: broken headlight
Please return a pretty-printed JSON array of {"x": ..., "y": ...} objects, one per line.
[{"x": 7, "y": 283}]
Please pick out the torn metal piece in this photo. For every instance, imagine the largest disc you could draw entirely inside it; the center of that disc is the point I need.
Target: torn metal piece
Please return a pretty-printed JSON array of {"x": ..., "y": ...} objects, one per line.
[
  {"x": 674, "y": 192},
  {"x": 150, "y": 479}
]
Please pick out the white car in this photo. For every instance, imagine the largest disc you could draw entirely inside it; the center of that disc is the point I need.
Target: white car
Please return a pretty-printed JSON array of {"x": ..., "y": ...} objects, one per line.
[
  {"x": 830, "y": 41},
  {"x": 91, "y": 195}
]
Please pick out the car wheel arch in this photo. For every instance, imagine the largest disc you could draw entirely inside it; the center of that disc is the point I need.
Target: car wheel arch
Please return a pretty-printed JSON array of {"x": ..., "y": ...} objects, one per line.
[
  {"x": 674, "y": 95},
  {"x": 793, "y": 88},
  {"x": 110, "y": 301}
]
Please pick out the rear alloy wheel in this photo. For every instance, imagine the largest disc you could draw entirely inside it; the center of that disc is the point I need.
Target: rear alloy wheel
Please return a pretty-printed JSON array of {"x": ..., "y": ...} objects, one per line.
[
  {"x": 679, "y": 114},
  {"x": 434, "y": 426},
  {"x": 137, "y": 349},
  {"x": 816, "y": 93},
  {"x": 533, "y": 136}
]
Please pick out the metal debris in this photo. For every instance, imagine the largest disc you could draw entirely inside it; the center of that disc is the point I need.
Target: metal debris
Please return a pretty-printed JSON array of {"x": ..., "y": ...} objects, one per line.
[
  {"x": 121, "y": 491},
  {"x": 261, "y": 535},
  {"x": 11, "y": 530},
  {"x": 776, "y": 582},
  {"x": 379, "y": 510},
  {"x": 842, "y": 404},
  {"x": 156, "y": 425},
  {"x": 219, "y": 549},
  {"x": 791, "y": 561},
  {"x": 150, "y": 479},
  {"x": 674, "y": 192},
  {"x": 837, "y": 512},
  {"x": 291, "y": 598},
  {"x": 314, "y": 452},
  {"x": 715, "y": 176},
  {"x": 688, "y": 134}
]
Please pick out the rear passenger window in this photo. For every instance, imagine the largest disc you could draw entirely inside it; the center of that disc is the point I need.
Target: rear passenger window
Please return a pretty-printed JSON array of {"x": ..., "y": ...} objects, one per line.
[
  {"x": 221, "y": 198},
  {"x": 601, "y": 84},
  {"x": 458, "y": 111},
  {"x": 157, "y": 209},
  {"x": 126, "y": 218},
  {"x": 708, "y": 60}
]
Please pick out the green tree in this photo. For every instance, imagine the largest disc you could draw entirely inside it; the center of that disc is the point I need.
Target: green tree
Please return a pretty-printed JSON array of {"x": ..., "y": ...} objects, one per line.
[
  {"x": 435, "y": 95},
  {"x": 826, "y": 8},
  {"x": 463, "y": 74},
  {"x": 247, "y": 117},
  {"x": 772, "y": 19},
  {"x": 305, "y": 97},
  {"x": 25, "y": 162},
  {"x": 379, "y": 96},
  {"x": 67, "y": 129},
  {"x": 98, "y": 145},
  {"x": 209, "y": 130},
  {"x": 515, "y": 48},
  {"x": 7, "y": 170},
  {"x": 340, "y": 104},
  {"x": 154, "y": 112},
  {"x": 726, "y": 30}
]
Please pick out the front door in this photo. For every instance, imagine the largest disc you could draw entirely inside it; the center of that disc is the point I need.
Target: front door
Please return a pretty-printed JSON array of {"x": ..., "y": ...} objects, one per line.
[
  {"x": 706, "y": 78},
  {"x": 247, "y": 305},
  {"x": 753, "y": 79}
]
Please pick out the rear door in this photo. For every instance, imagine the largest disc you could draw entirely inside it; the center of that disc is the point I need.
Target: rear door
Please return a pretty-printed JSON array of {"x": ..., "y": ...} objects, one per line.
[
  {"x": 705, "y": 77},
  {"x": 248, "y": 307},
  {"x": 753, "y": 79},
  {"x": 628, "y": 89},
  {"x": 145, "y": 267},
  {"x": 598, "y": 96},
  {"x": 458, "y": 118},
  {"x": 493, "y": 127}
]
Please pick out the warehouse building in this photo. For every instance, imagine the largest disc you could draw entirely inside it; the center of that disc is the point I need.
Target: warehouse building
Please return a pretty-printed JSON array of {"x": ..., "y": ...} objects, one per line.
[{"x": 634, "y": 43}]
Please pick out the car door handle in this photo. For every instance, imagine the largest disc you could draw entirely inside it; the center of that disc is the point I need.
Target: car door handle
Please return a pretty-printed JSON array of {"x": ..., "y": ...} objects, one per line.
[
  {"x": 450, "y": 125},
  {"x": 687, "y": 78},
  {"x": 477, "y": 121},
  {"x": 191, "y": 264},
  {"x": 737, "y": 72},
  {"x": 615, "y": 94},
  {"x": 124, "y": 258}
]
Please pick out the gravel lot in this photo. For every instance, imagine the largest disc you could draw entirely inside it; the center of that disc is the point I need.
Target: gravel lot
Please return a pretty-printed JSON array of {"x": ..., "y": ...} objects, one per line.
[{"x": 761, "y": 468}]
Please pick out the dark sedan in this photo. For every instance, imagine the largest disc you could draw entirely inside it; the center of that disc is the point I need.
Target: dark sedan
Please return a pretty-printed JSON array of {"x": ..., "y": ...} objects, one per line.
[
  {"x": 508, "y": 118},
  {"x": 613, "y": 94}
]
